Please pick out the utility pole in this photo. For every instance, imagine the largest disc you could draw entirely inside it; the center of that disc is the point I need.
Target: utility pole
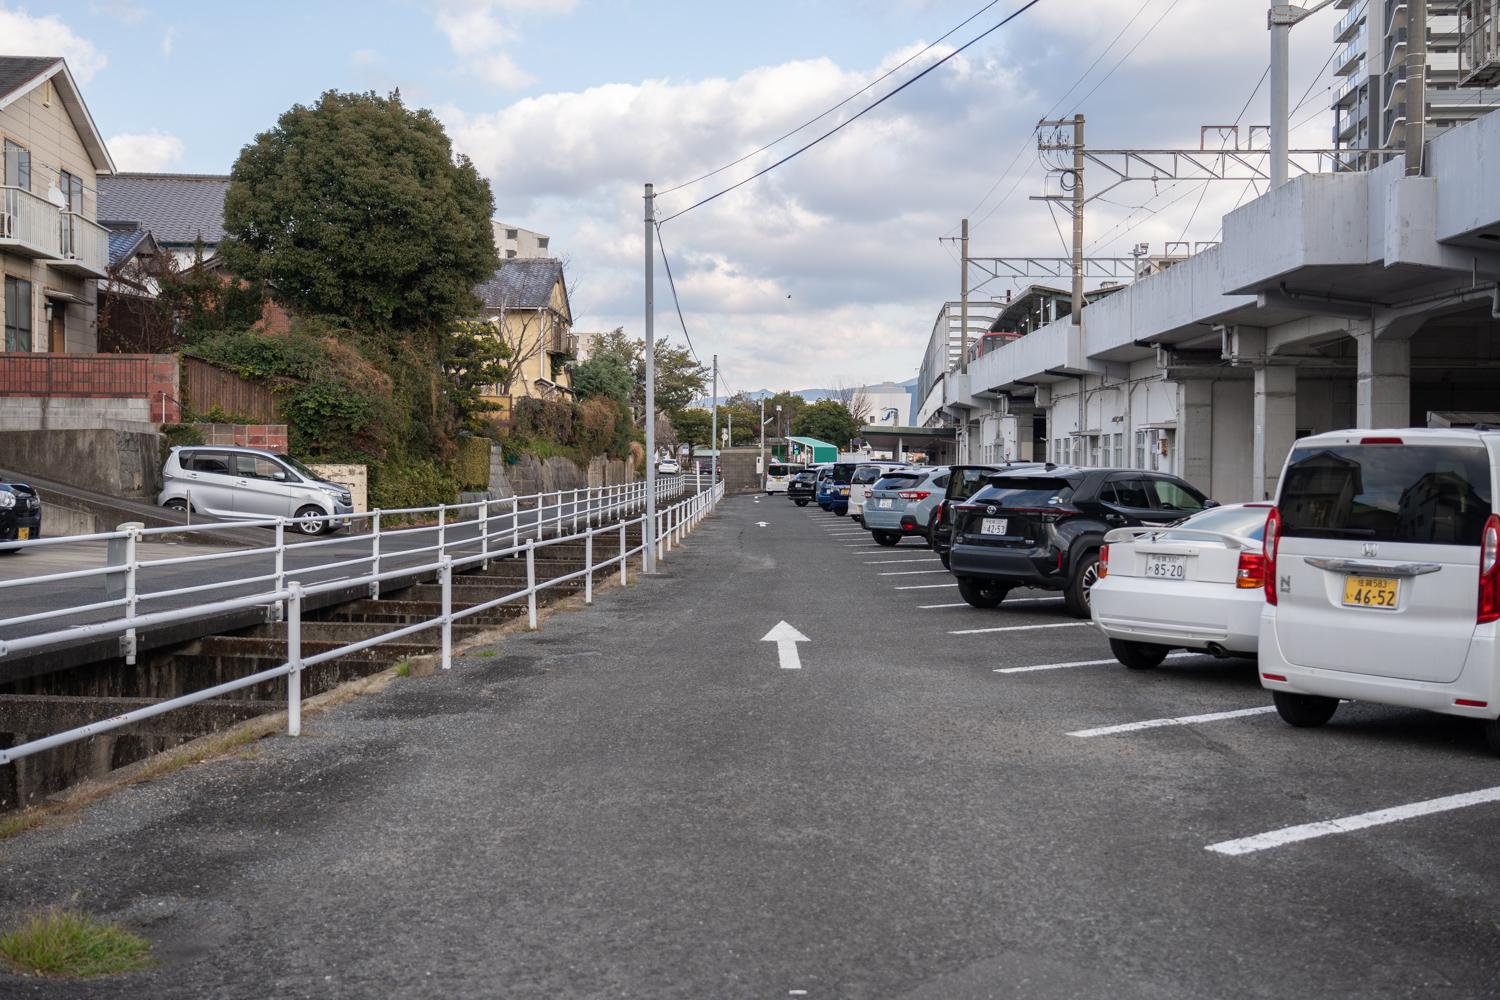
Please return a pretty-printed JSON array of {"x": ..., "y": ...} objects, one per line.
[
  {"x": 1077, "y": 219},
  {"x": 1281, "y": 19},
  {"x": 963, "y": 293},
  {"x": 648, "y": 528},
  {"x": 1416, "y": 85},
  {"x": 713, "y": 466},
  {"x": 762, "y": 435}
]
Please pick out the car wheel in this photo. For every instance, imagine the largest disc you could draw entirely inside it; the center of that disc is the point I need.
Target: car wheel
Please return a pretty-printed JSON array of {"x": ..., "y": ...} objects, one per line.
[
  {"x": 887, "y": 538},
  {"x": 177, "y": 504},
  {"x": 1085, "y": 575},
  {"x": 944, "y": 557},
  {"x": 1304, "y": 710},
  {"x": 982, "y": 593},
  {"x": 306, "y": 522},
  {"x": 801, "y": 503},
  {"x": 1492, "y": 733},
  {"x": 1138, "y": 655}
]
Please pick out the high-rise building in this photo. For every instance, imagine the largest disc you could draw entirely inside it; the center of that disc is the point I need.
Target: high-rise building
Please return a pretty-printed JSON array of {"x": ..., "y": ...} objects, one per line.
[{"x": 1370, "y": 106}]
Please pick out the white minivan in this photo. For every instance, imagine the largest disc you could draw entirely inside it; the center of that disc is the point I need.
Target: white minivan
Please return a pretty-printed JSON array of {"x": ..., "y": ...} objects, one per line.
[{"x": 1383, "y": 575}]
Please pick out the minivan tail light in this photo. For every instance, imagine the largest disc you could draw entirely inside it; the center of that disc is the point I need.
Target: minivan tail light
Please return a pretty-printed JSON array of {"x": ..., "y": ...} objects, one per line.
[
  {"x": 1489, "y": 571},
  {"x": 1271, "y": 543},
  {"x": 1251, "y": 574},
  {"x": 1103, "y": 561}
]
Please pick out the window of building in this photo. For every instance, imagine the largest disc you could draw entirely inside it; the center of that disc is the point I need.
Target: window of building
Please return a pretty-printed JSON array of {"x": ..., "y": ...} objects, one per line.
[
  {"x": 17, "y": 315},
  {"x": 510, "y": 234},
  {"x": 17, "y": 166},
  {"x": 72, "y": 189},
  {"x": 509, "y": 254},
  {"x": 542, "y": 241},
  {"x": 1143, "y": 440}
]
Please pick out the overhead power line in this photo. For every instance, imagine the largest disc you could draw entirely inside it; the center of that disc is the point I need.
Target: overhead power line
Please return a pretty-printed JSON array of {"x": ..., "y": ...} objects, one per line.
[
  {"x": 673, "y": 286},
  {"x": 856, "y": 117},
  {"x": 863, "y": 90}
]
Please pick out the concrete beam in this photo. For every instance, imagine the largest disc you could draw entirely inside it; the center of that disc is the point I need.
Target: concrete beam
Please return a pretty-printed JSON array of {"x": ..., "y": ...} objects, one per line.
[{"x": 1383, "y": 381}]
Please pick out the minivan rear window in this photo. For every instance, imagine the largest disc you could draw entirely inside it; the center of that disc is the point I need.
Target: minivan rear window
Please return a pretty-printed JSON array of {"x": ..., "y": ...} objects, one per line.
[
  {"x": 1024, "y": 491},
  {"x": 898, "y": 481},
  {"x": 842, "y": 473},
  {"x": 1432, "y": 494}
]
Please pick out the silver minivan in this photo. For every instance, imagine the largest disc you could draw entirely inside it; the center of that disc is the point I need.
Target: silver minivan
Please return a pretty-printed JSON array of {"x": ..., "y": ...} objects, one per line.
[
  {"x": 1382, "y": 579},
  {"x": 251, "y": 484}
]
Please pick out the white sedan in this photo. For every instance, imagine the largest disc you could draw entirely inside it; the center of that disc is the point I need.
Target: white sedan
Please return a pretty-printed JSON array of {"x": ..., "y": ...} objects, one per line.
[
  {"x": 668, "y": 467},
  {"x": 1195, "y": 585}
]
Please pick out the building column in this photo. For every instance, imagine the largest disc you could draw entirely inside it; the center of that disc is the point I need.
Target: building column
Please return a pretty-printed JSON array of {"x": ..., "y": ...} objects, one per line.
[
  {"x": 1275, "y": 426},
  {"x": 1383, "y": 394},
  {"x": 1195, "y": 432}
]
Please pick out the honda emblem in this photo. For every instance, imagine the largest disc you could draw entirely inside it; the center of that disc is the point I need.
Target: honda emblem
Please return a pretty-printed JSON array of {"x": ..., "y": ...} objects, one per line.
[{"x": 1371, "y": 550}]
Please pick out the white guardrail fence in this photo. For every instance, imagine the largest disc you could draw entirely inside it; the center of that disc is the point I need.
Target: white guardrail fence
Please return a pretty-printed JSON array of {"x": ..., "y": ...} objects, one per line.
[{"x": 510, "y": 533}]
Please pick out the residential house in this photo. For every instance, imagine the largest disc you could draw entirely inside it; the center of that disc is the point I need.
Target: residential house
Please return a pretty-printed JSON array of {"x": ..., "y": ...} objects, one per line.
[
  {"x": 179, "y": 210},
  {"x": 515, "y": 243},
  {"x": 527, "y": 303},
  {"x": 52, "y": 251}
]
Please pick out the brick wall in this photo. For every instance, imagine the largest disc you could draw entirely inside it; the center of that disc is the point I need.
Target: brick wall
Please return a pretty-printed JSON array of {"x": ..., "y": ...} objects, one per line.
[
  {"x": 150, "y": 377},
  {"x": 271, "y": 437}
]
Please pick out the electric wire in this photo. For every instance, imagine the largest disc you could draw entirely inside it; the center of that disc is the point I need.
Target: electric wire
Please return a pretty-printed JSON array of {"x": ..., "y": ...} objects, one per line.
[
  {"x": 813, "y": 121},
  {"x": 1154, "y": 25},
  {"x": 672, "y": 284},
  {"x": 855, "y": 117}
]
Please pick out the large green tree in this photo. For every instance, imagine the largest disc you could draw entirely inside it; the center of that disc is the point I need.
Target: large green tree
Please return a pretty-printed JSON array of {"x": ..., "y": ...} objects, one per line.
[
  {"x": 356, "y": 207},
  {"x": 693, "y": 426},
  {"x": 679, "y": 377},
  {"x": 827, "y": 420},
  {"x": 604, "y": 374}
]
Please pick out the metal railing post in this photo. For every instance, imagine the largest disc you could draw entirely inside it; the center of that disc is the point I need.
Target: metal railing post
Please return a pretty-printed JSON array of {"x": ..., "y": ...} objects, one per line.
[
  {"x": 294, "y": 660},
  {"x": 624, "y": 559},
  {"x": 658, "y": 536},
  {"x": 588, "y": 567},
  {"x": 484, "y": 533},
  {"x": 575, "y": 510},
  {"x": 375, "y": 556},
  {"x": 515, "y": 521},
  {"x": 279, "y": 607},
  {"x": 442, "y": 548},
  {"x": 446, "y": 572},
  {"x": 531, "y": 582},
  {"x": 132, "y": 538}
]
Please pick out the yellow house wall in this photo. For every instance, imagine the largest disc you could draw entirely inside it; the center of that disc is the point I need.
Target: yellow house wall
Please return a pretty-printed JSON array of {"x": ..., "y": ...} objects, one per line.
[{"x": 48, "y": 132}]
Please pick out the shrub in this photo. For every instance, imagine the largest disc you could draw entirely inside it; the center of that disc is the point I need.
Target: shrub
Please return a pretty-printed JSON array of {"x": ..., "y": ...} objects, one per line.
[
  {"x": 473, "y": 465},
  {"x": 411, "y": 483}
]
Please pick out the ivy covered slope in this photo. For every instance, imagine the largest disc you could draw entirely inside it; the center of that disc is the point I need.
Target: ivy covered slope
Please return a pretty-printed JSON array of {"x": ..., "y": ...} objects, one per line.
[{"x": 355, "y": 216}]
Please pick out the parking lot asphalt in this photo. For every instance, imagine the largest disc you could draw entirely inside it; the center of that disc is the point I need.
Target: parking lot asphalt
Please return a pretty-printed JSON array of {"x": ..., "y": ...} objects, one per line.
[{"x": 940, "y": 802}]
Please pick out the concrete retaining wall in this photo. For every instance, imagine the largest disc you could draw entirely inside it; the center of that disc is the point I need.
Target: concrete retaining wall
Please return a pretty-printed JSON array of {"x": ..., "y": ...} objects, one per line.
[
  {"x": 115, "y": 463},
  {"x": 530, "y": 474}
]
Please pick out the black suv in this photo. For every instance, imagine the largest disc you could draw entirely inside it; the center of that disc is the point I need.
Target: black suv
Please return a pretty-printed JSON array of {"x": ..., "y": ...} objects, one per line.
[
  {"x": 963, "y": 482},
  {"x": 20, "y": 513},
  {"x": 1042, "y": 527},
  {"x": 800, "y": 488}
]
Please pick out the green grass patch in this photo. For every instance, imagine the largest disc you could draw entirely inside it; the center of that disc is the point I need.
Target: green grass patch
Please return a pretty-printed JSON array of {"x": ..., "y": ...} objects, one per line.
[
  {"x": 19, "y": 822},
  {"x": 483, "y": 652},
  {"x": 403, "y": 668},
  {"x": 64, "y": 943}
]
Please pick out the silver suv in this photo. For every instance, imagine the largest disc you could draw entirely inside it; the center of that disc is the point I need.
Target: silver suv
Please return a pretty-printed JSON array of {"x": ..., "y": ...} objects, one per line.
[{"x": 250, "y": 484}]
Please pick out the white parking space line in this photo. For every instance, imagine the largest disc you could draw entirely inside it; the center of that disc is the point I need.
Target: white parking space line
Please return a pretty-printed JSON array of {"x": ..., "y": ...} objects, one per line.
[
  {"x": 913, "y": 572},
  {"x": 930, "y": 586},
  {"x": 1348, "y": 824},
  {"x": 929, "y": 607},
  {"x": 1018, "y": 628},
  {"x": 1186, "y": 720},
  {"x": 907, "y": 560},
  {"x": 1076, "y": 663}
]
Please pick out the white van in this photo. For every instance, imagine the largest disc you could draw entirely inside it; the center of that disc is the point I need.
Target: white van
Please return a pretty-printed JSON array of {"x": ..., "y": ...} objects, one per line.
[
  {"x": 778, "y": 475},
  {"x": 1383, "y": 575}
]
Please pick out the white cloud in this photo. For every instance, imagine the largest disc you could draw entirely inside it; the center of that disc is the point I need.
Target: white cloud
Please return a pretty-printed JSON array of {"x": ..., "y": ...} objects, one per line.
[
  {"x": 364, "y": 57},
  {"x": 146, "y": 152},
  {"x": 121, "y": 10},
  {"x": 168, "y": 40},
  {"x": 24, "y": 35},
  {"x": 480, "y": 32}
]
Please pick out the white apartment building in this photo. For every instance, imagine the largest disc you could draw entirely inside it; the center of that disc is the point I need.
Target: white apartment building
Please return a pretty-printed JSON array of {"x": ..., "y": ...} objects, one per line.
[{"x": 514, "y": 242}]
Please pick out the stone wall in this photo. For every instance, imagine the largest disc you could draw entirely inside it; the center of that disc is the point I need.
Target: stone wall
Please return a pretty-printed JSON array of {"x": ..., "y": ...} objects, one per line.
[
  {"x": 356, "y": 477},
  {"x": 116, "y": 463},
  {"x": 530, "y": 474}
]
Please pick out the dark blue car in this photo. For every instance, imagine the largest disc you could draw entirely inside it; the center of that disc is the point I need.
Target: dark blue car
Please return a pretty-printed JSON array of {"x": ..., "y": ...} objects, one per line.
[{"x": 833, "y": 487}]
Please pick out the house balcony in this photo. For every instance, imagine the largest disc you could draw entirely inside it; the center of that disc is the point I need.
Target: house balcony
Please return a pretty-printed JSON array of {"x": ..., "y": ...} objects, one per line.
[
  {"x": 563, "y": 343},
  {"x": 1349, "y": 25},
  {"x": 31, "y": 226}
]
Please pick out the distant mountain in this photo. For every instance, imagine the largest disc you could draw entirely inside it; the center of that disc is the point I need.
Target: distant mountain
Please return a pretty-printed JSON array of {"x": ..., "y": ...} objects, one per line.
[{"x": 811, "y": 395}]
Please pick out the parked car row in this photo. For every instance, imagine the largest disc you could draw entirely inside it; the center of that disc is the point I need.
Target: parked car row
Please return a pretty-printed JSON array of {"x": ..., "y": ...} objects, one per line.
[{"x": 1373, "y": 576}]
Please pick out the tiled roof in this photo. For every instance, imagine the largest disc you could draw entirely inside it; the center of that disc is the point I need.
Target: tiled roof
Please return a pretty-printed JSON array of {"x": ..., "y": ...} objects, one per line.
[
  {"x": 177, "y": 208},
  {"x": 521, "y": 284},
  {"x": 17, "y": 71},
  {"x": 123, "y": 243}
]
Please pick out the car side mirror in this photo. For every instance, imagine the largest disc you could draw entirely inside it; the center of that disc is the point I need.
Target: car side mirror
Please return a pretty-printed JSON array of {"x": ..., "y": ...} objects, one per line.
[
  {"x": 280, "y": 477},
  {"x": 1210, "y": 503}
]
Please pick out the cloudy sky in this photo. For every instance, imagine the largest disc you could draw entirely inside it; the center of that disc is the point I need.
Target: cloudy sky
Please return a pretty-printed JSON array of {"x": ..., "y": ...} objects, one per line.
[{"x": 828, "y": 270}]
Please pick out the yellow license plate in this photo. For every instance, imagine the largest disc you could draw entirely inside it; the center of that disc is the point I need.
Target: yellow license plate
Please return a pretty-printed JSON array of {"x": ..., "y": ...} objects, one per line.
[
  {"x": 1371, "y": 592},
  {"x": 23, "y": 534}
]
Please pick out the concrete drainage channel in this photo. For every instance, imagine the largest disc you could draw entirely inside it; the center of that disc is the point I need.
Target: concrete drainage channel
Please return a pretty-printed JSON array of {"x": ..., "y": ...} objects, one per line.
[{"x": 62, "y": 700}]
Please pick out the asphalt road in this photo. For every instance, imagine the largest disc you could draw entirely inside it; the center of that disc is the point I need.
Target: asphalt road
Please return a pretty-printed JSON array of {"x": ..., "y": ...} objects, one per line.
[
  {"x": 640, "y": 801},
  {"x": 304, "y": 561}
]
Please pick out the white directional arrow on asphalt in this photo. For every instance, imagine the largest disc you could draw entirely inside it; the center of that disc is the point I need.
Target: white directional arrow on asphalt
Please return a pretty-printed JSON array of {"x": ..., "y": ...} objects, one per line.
[
  {"x": 786, "y": 639},
  {"x": 760, "y": 524}
]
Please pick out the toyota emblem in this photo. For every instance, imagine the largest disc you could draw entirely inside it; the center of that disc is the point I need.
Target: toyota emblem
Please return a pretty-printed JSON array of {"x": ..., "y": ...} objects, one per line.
[{"x": 991, "y": 510}]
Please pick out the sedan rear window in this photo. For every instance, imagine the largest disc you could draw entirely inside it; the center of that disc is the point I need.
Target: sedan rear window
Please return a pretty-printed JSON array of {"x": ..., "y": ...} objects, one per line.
[
  {"x": 1246, "y": 522},
  {"x": 1024, "y": 491},
  {"x": 1432, "y": 494}
]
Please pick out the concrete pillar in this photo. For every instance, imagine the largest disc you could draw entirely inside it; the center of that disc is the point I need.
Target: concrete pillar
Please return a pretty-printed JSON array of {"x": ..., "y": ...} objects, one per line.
[
  {"x": 1195, "y": 432},
  {"x": 1383, "y": 396},
  {"x": 1275, "y": 427}
]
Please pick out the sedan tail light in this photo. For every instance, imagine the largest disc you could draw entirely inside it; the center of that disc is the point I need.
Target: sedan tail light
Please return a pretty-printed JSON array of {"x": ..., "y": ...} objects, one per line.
[
  {"x": 1103, "y": 561},
  {"x": 914, "y": 494},
  {"x": 1271, "y": 543},
  {"x": 1252, "y": 572},
  {"x": 1489, "y": 570}
]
